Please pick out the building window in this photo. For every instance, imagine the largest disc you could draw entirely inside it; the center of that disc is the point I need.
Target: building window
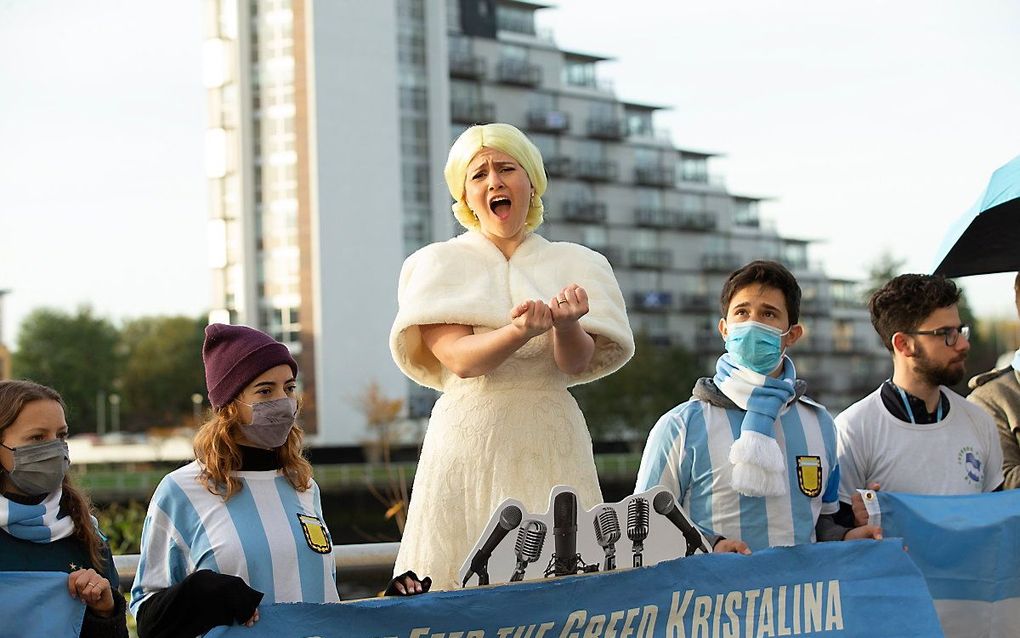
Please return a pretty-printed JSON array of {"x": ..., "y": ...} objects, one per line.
[
  {"x": 594, "y": 236},
  {"x": 649, "y": 198},
  {"x": 692, "y": 202},
  {"x": 646, "y": 157},
  {"x": 580, "y": 73},
  {"x": 515, "y": 19},
  {"x": 639, "y": 123},
  {"x": 745, "y": 212},
  {"x": 693, "y": 169}
]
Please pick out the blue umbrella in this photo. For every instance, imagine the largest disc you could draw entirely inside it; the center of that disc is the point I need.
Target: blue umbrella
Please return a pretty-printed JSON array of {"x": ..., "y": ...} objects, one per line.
[{"x": 986, "y": 239}]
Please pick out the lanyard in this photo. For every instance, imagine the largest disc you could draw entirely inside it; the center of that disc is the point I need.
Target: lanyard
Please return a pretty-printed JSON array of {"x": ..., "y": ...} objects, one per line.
[{"x": 910, "y": 412}]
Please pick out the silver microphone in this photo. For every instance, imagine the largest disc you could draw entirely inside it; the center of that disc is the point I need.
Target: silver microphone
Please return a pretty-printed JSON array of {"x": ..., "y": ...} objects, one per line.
[
  {"x": 637, "y": 526},
  {"x": 530, "y": 539},
  {"x": 607, "y": 532}
]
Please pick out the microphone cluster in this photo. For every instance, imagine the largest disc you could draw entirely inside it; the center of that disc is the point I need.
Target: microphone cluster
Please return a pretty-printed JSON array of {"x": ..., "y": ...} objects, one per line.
[{"x": 565, "y": 559}]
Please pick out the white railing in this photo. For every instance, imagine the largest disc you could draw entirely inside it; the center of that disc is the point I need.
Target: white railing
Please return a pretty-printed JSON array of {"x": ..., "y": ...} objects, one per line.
[{"x": 349, "y": 558}]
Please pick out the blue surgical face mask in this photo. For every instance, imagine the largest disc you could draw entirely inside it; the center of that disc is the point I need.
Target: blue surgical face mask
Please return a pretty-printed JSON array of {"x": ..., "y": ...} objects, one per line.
[{"x": 755, "y": 346}]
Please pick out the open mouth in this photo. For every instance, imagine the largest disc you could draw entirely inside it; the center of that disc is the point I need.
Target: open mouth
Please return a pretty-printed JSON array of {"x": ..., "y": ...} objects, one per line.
[{"x": 500, "y": 207}]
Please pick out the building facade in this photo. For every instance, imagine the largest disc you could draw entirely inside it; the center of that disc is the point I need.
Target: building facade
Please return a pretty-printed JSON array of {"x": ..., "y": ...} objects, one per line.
[{"x": 329, "y": 124}]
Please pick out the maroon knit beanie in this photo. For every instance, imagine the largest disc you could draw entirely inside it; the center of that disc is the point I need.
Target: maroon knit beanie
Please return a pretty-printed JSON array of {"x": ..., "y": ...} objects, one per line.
[{"x": 234, "y": 356}]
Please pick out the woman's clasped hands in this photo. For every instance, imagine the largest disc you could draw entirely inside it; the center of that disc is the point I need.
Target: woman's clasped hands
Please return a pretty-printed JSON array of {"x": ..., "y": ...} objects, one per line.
[{"x": 535, "y": 317}]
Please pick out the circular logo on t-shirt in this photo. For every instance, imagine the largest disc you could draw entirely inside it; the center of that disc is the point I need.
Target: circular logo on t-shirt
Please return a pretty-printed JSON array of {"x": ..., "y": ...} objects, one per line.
[{"x": 971, "y": 463}]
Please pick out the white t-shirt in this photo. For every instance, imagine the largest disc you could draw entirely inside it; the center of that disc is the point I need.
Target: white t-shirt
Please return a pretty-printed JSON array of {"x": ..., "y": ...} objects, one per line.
[{"x": 958, "y": 455}]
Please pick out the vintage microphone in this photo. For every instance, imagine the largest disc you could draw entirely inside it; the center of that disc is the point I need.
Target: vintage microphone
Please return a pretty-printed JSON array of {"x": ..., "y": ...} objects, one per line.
[
  {"x": 565, "y": 559},
  {"x": 509, "y": 519},
  {"x": 637, "y": 526},
  {"x": 607, "y": 532},
  {"x": 665, "y": 504},
  {"x": 530, "y": 539}
]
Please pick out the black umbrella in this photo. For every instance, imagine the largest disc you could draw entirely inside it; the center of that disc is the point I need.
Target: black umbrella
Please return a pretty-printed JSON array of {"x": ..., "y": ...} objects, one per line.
[{"x": 986, "y": 239}]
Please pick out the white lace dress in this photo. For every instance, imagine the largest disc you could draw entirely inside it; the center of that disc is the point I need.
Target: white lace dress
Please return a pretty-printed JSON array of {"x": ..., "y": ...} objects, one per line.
[{"x": 515, "y": 432}]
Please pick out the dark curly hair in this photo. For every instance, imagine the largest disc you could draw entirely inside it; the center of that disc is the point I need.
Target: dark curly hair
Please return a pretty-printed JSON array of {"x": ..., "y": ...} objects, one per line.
[
  {"x": 764, "y": 273},
  {"x": 902, "y": 304}
]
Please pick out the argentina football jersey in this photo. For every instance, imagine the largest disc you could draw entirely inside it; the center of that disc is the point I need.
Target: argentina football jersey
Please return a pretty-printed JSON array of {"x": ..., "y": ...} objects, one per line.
[
  {"x": 267, "y": 533},
  {"x": 688, "y": 453}
]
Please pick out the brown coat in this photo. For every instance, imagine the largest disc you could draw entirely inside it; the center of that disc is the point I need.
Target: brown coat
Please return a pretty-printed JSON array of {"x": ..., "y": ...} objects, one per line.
[{"x": 998, "y": 393}]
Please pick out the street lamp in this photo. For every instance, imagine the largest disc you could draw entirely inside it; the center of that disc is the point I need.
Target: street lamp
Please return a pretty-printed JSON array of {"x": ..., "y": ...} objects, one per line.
[
  {"x": 114, "y": 412},
  {"x": 196, "y": 405}
]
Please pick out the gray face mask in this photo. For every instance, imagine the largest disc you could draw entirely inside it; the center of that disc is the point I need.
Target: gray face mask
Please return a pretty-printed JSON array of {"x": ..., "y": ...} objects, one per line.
[
  {"x": 40, "y": 468},
  {"x": 271, "y": 423}
]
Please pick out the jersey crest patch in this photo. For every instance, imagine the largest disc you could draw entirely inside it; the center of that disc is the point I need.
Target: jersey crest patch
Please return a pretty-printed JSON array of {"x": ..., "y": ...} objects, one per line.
[
  {"x": 809, "y": 475},
  {"x": 316, "y": 534}
]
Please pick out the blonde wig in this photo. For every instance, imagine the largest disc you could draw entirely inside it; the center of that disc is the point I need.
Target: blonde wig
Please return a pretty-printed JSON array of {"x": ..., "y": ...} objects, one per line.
[
  {"x": 507, "y": 139},
  {"x": 216, "y": 448}
]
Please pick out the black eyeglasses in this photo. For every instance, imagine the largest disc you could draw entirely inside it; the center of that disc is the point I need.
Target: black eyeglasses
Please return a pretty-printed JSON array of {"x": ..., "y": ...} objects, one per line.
[{"x": 951, "y": 334}]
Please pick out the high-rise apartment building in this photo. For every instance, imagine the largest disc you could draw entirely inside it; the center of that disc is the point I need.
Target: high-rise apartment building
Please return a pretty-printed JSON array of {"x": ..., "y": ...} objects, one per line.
[{"x": 329, "y": 124}]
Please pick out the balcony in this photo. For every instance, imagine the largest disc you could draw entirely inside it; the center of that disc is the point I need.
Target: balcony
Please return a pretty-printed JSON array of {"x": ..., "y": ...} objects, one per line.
[
  {"x": 695, "y": 302},
  {"x": 708, "y": 342},
  {"x": 696, "y": 221},
  {"x": 548, "y": 121},
  {"x": 654, "y": 175},
  {"x": 858, "y": 344},
  {"x": 518, "y": 73},
  {"x": 467, "y": 66},
  {"x": 816, "y": 307},
  {"x": 612, "y": 253},
  {"x": 558, "y": 166},
  {"x": 584, "y": 211},
  {"x": 472, "y": 111},
  {"x": 675, "y": 219},
  {"x": 721, "y": 262},
  {"x": 815, "y": 344},
  {"x": 595, "y": 170},
  {"x": 650, "y": 258},
  {"x": 607, "y": 128},
  {"x": 652, "y": 301}
]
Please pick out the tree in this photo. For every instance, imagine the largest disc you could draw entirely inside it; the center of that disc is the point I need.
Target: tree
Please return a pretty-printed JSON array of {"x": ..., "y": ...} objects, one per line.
[
  {"x": 382, "y": 413},
  {"x": 884, "y": 268},
  {"x": 162, "y": 369},
  {"x": 628, "y": 402},
  {"x": 74, "y": 354}
]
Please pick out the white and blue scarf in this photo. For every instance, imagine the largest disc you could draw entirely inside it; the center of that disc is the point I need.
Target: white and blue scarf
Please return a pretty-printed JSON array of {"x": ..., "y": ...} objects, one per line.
[
  {"x": 36, "y": 523},
  {"x": 759, "y": 466}
]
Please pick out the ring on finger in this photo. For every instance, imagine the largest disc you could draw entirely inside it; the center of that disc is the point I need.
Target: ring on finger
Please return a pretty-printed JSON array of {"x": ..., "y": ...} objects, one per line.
[{"x": 560, "y": 302}]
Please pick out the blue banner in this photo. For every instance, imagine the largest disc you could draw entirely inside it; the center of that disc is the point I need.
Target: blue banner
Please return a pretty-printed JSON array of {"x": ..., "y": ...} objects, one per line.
[
  {"x": 38, "y": 604},
  {"x": 861, "y": 588},
  {"x": 968, "y": 548}
]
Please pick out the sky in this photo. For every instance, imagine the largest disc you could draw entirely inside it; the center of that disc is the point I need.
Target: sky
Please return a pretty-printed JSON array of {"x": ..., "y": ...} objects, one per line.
[{"x": 871, "y": 126}]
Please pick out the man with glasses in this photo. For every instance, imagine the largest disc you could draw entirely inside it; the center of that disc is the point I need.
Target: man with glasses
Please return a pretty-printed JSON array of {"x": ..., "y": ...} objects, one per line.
[{"x": 913, "y": 434}]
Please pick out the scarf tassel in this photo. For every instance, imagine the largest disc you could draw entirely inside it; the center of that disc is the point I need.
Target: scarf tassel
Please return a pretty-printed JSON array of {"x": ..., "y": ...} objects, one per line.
[{"x": 759, "y": 467}]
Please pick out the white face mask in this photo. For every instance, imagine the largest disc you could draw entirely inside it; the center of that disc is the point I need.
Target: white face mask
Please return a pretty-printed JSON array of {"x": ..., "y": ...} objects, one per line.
[{"x": 271, "y": 422}]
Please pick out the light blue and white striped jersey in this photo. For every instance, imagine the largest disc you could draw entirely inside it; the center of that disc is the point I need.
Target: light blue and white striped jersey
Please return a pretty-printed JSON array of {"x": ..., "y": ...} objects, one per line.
[
  {"x": 268, "y": 533},
  {"x": 688, "y": 453}
]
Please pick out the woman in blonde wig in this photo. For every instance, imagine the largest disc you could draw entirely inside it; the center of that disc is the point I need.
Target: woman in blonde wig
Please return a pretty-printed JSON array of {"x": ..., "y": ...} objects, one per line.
[{"x": 501, "y": 321}]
